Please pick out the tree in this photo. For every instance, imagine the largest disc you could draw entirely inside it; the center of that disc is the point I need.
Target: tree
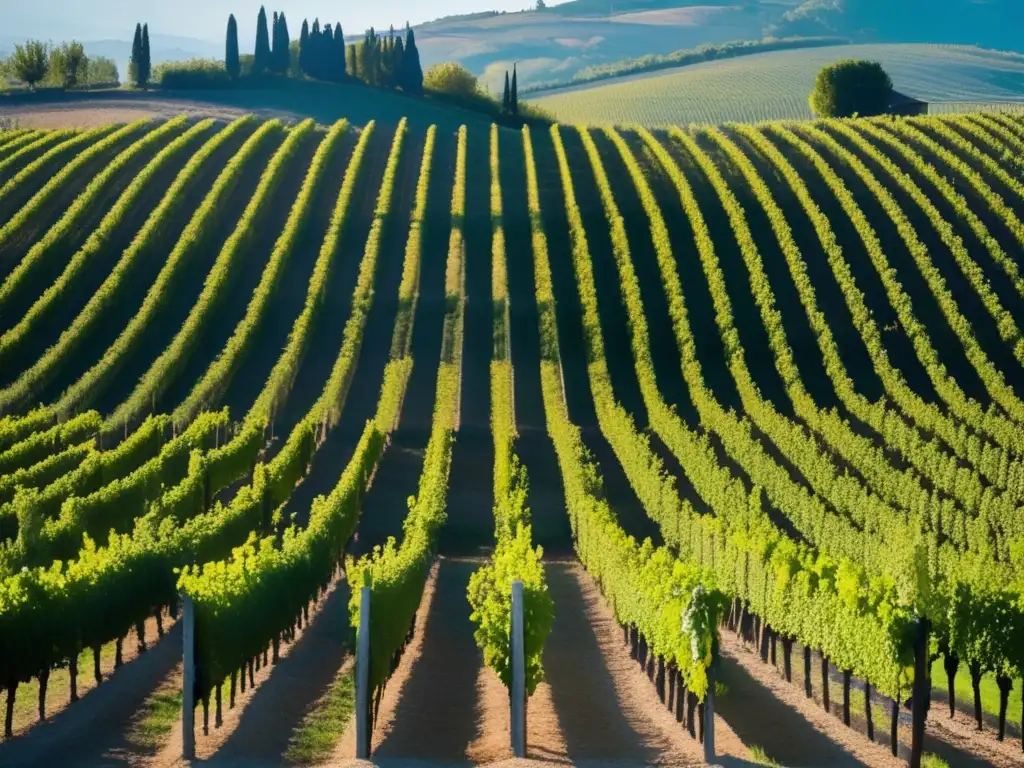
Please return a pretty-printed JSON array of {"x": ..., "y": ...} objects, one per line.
[
  {"x": 851, "y": 87},
  {"x": 514, "y": 101},
  {"x": 451, "y": 79},
  {"x": 68, "y": 64},
  {"x": 411, "y": 75},
  {"x": 352, "y": 60},
  {"x": 135, "y": 63},
  {"x": 541, "y": 5},
  {"x": 396, "y": 60},
  {"x": 30, "y": 62},
  {"x": 282, "y": 44},
  {"x": 231, "y": 62},
  {"x": 147, "y": 63},
  {"x": 338, "y": 53},
  {"x": 100, "y": 69},
  {"x": 275, "y": 43},
  {"x": 304, "y": 47},
  {"x": 506, "y": 99},
  {"x": 261, "y": 57}
]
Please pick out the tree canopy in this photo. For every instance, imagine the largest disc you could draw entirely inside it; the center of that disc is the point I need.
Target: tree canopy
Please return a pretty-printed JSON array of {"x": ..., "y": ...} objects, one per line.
[
  {"x": 851, "y": 87},
  {"x": 30, "y": 62}
]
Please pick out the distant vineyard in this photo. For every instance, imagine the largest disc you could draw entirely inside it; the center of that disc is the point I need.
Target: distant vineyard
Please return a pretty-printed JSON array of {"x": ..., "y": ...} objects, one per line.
[
  {"x": 775, "y": 86},
  {"x": 781, "y": 369}
]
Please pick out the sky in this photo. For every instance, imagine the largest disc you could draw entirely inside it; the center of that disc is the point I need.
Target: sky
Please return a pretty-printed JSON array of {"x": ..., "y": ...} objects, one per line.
[{"x": 206, "y": 19}]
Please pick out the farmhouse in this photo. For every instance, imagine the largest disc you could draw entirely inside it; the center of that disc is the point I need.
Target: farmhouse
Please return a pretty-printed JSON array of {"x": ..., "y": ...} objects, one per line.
[{"x": 908, "y": 106}]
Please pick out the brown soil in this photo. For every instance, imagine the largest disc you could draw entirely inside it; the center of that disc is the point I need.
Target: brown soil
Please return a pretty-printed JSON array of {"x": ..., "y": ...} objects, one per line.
[
  {"x": 433, "y": 709},
  {"x": 605, "y": 707},
  {"x": 82, "y": 734},
  {"x": 98, "y": 113},
  {"x": 789, "y": 727},
  {"x": 257, "y": 729}
]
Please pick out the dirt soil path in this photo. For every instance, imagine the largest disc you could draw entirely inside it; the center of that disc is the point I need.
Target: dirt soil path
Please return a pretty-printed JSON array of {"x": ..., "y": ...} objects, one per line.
[
  {"x": 431, "y": 709},
  {"x": 257, "y": 730},
  {"x": 84, "y": 734},
  {"x": 605, "y": 708}
]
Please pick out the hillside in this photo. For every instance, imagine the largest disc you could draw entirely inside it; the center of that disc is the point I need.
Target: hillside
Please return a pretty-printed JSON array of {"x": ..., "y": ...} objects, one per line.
[
  {"x": 987, "y": 23},
  {"x": 776, "y": 86},
  {"x": 790, "y": 356},
  {"x": 555, "y": 44}
]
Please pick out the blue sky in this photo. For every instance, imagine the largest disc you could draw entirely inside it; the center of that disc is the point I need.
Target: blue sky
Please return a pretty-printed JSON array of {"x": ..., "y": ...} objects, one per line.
[{"x": 206, "y": 19}]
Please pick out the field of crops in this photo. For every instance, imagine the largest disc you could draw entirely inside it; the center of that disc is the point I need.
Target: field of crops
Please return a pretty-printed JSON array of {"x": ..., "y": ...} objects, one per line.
[
  {"x": 775, "y": 86},
  {"x": 765, "y": 384}
]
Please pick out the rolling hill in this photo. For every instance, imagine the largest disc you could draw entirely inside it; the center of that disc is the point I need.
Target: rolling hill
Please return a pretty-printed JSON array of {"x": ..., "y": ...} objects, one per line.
[
  {"x": 775, "y": 86},
  {"x": 750, "y": 385}
]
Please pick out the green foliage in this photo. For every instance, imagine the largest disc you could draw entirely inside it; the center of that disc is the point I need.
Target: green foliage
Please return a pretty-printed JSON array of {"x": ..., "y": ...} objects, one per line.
[
  {"x": 410, "y": 73},
  {"x": 849, "y": 88},
  {"x": 194, "y": 74},
  {"x": 68, "y": 64},
  {"x": 169, "y": 363},
  {"x": 397, "y": 572},
  {"x": 451, "y": 79},
  {"x": 217, "y": 376},
  {"x": 231, "y": 61},
  {"x": 653, "y": 62},
  {"x": 281, "y": 40},
  {"x": 515, "y": 558},
  {"x": 262, "y": 56},
  {"x": 236, "y": 592},
  {"x": 38, "y": 254},
  {"x": 49, "y": 364},
  {"x": 145, "y": 67},
  {"x": 490, "y": 595},
  {"x": 30, "y": 62}
]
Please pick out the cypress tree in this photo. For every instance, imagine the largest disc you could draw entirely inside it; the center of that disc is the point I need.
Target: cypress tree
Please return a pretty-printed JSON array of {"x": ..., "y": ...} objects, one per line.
[
  {"x": 338, "y": 54},
  {"x": 261, "y": 58},
  {"x": 396, "y": 61},
  {"x": 147, "y": 67},
  {"x": 316, "y": 49},
  {"x": 506, "y": 99},
  {"x": 282, "y": 50},
  {"x": 514, "y": 102},
  {"x": 352, "y": 60},
  {"x": 372, "y": 56},
  {"x": 231, "y": 63},
  {"x": 411, "y": 79},
  {"x": 304, "y": 47},
  {"x": 134, "y": 66},
  {"x": 326, "y": 48},
  {"x": 275, "y": 44}
]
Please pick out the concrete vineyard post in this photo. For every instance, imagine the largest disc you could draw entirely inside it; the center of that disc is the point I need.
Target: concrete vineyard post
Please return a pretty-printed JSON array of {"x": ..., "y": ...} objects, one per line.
[
  {"x": 709, "y": 721},
  {"x": 188, "y": 679},
  {"x": 363, "y": 677},
  {"x": 518, "y": 692}
]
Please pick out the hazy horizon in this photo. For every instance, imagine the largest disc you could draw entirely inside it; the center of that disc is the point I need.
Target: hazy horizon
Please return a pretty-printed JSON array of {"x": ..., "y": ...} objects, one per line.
[{"x": 207, "y": 19}]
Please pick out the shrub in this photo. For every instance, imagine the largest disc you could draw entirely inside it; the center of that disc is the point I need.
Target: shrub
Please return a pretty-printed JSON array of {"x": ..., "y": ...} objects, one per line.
[
  {"x": 851, "y": 87},
  {"x": 194, "y": 73},
  {"x": 451, "y": 79}
]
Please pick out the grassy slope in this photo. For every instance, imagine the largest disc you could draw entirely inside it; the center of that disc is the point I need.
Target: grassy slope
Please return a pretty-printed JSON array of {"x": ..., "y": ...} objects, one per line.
[{"x": 774, "y": 86}]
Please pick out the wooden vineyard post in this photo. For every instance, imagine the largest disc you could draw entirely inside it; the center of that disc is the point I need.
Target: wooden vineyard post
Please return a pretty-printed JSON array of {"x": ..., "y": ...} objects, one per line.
[
  {"x": 709, "y": 720},
  {"x": 363, "y": 724},
  {"x": 518, "y": 692},
  {"x": 188, "y": 679}
]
